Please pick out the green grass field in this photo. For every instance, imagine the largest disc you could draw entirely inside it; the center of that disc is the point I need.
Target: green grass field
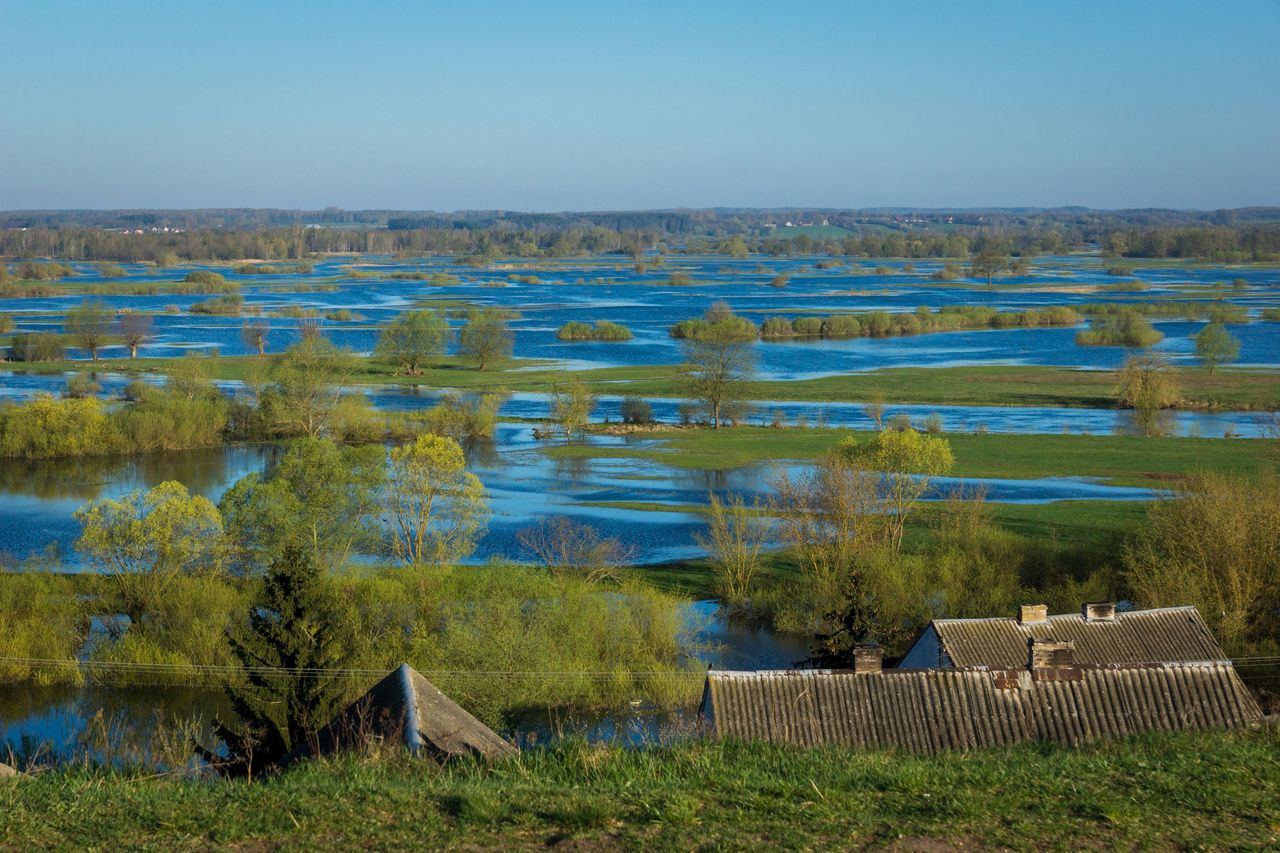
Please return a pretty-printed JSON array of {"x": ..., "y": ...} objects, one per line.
[
  {"x": 1165, "y": 791},
  {"x": 1119, "y": 460}
]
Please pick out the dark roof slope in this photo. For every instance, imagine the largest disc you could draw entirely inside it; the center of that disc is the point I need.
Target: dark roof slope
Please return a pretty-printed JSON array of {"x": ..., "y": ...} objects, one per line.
[
  {"x": 1138, "y": 636},
  {"x": 405, "y": 705},
  {"x": 929, "y": 711}
]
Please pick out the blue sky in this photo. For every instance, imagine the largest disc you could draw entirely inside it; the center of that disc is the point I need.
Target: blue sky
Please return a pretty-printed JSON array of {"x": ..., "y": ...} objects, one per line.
[{"x": 599, "y": 105}]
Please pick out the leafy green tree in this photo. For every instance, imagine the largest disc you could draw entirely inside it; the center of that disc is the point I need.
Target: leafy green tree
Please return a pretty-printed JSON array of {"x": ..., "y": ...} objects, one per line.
[
  {"x": 88, "y": 324},
  {"x": 1215, "y": 346},
  {"x": 6, "y": 321},
  {"x": 719, "y": 359},
  {"x": 1148, "y": 384},
  {"x": 146, "y": 540},
  {"x": 987, "y": 263},
  {"x": 437, "y": 507},
  {"x": 907, "y": 461},
  {"x": 486, "y": 337},
  {"x": 308, "y": 382},
  {"x": 191, "y": 377},
  {"x": 294, "y": 635},
  {"x": 135, "y": 330},
  {"x": 571, "y": 407},
  {"x": 413, "y": 338},
  {"x": 1217, "y": 547},
  {"x": 319, "y": 497}
]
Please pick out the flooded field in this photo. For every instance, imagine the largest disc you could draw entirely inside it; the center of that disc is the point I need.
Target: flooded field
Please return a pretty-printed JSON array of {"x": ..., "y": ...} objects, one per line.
[{"x": 548, "y": 294}]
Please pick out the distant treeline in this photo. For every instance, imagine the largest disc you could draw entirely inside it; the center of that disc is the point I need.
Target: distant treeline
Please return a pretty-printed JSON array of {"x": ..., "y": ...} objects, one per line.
[
  {"x": 1251, "y": 243},
  {"x": 480, "y": 237}
]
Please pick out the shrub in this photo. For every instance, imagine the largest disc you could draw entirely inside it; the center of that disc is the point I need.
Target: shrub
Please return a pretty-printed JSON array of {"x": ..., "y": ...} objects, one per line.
[
  {"x": 81, "y": 385},
  {"x": 776, "y": 327},
  {"x": 205, "y": 278},
  {"x": 636, "y": 411},
  {"x": 1128, "y": 329},
  {"x": 37, "y": 346},
  {"x": 607, "y": 331},
  {"x": 1217, "y": 548},
  {"x": 230, "y": 304},
  {"x": 574, "y": 331}
]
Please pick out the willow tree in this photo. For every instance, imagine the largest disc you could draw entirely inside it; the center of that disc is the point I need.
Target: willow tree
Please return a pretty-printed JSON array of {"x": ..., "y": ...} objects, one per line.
[
  {"x": 89, "y": 324},
  {"x": 438, "y": 508},
  {"x": 719, "y": 359}
]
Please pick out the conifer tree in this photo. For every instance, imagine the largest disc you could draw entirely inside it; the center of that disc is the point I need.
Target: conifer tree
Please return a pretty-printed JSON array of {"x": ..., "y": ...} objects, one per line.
[{"x": 297, "y": 629}]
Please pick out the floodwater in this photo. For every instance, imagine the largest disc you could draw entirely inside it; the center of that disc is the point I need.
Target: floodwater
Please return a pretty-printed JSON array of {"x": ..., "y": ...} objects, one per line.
[
  {"x": 18, "y": 385},
  {"x": 609, "y": 289},
  {"x": 38, "y": 499}
]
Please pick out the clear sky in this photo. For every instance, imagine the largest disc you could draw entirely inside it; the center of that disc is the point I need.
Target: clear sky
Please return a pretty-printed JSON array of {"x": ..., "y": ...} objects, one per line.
[{"x": 545, "y": 105}]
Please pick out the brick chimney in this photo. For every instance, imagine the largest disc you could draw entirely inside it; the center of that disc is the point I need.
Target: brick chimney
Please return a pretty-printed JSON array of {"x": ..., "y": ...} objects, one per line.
[
  {"x": 1030, "y": 614},
  {"x": 1099, "y": 611},
  {"x": 1050, "y": 654},
  {"x": 868, "y": 659}
]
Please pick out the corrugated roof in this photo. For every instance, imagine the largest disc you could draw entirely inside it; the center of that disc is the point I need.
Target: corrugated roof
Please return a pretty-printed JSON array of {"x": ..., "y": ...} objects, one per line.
[
  {"x": 930, "y": 711},
  {"x": 1137, "y": 636}
]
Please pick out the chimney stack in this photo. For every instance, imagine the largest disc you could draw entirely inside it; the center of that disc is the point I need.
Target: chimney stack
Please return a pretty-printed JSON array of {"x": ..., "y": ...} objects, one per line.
[
  {"x": 1030, "y": 614},
  {"x": 868, "y": 659},
  {"x": 1100, "y": 611},
  {"x": 1050, "y": 654}
]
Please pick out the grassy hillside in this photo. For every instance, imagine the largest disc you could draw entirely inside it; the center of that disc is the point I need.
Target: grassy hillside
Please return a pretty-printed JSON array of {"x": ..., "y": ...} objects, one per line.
[{"x": 1160, "y": 791}]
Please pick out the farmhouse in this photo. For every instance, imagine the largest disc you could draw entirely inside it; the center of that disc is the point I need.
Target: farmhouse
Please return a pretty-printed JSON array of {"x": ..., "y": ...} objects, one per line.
[
  {"x": 1100, "y": 633},
  {"x": 1051, "y": 697}
]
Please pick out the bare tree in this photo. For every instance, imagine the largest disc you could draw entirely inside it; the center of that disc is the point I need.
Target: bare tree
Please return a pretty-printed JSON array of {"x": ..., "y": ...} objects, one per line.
[
  {"x": 135, "y": 330},
  {"x": 569, "y": 548},
  {"x": 254, "y": 335}
]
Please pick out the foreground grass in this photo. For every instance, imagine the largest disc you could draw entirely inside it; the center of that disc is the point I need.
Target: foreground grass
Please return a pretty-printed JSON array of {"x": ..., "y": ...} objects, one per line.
[
  {"x": 1161, "y": 791},
  {"x": 1002, "y": 385},
  {"x": 1119, "y": 460}
]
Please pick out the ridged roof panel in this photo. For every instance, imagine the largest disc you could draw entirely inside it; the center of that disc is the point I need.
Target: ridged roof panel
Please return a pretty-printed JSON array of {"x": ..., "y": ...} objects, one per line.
[
  {"x": 1167, "y": 634},
  {"x": 929, "y": 711}
]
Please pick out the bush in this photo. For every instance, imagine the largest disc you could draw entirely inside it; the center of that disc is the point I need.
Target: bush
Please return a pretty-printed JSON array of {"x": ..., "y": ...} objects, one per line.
[
  {"x": 636, "y": 411},
  {"x": 1217, "y": 548},
  {"x": 1128, "y": 329},
  {"x": 776, "y": 327},
  {"x": 45, "y": 427},
  {"x": 42, "y": 618},
  {"x": 230, "y": 305},
  {"x": 81, "y": 385},
  {"x": 205, "y": 278},
  {"x": 37, "y": 346}
]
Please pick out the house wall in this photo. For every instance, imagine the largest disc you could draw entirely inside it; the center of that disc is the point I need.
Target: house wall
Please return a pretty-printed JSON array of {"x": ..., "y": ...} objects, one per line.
[{"x": 926, "y": 653}]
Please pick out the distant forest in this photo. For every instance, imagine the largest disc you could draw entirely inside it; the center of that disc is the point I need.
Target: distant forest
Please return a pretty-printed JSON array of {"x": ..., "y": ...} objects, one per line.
[{"x": 170, "y": 236}]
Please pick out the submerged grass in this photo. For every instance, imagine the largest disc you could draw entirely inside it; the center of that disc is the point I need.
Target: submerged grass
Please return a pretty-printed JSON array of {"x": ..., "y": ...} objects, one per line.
[{"x": 1158, "y": 791}]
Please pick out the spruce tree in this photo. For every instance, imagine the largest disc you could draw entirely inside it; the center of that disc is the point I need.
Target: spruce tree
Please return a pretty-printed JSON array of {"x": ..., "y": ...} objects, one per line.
[{"x": 297, "y": 629}]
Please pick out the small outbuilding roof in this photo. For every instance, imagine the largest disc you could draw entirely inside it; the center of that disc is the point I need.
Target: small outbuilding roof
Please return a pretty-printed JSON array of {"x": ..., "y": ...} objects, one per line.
[
  {"x": 405, "y": 705},
  {"x": 929, "y": 711},
  {"x": 1101, "y": 635}
]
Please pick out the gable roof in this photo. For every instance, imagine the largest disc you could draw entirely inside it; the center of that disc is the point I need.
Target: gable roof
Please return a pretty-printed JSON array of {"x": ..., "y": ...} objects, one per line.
[
  {"x": 1165, "y": 634},
  {"x": 405, "y": 705},
  {"x": 930, "y": 711}
]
